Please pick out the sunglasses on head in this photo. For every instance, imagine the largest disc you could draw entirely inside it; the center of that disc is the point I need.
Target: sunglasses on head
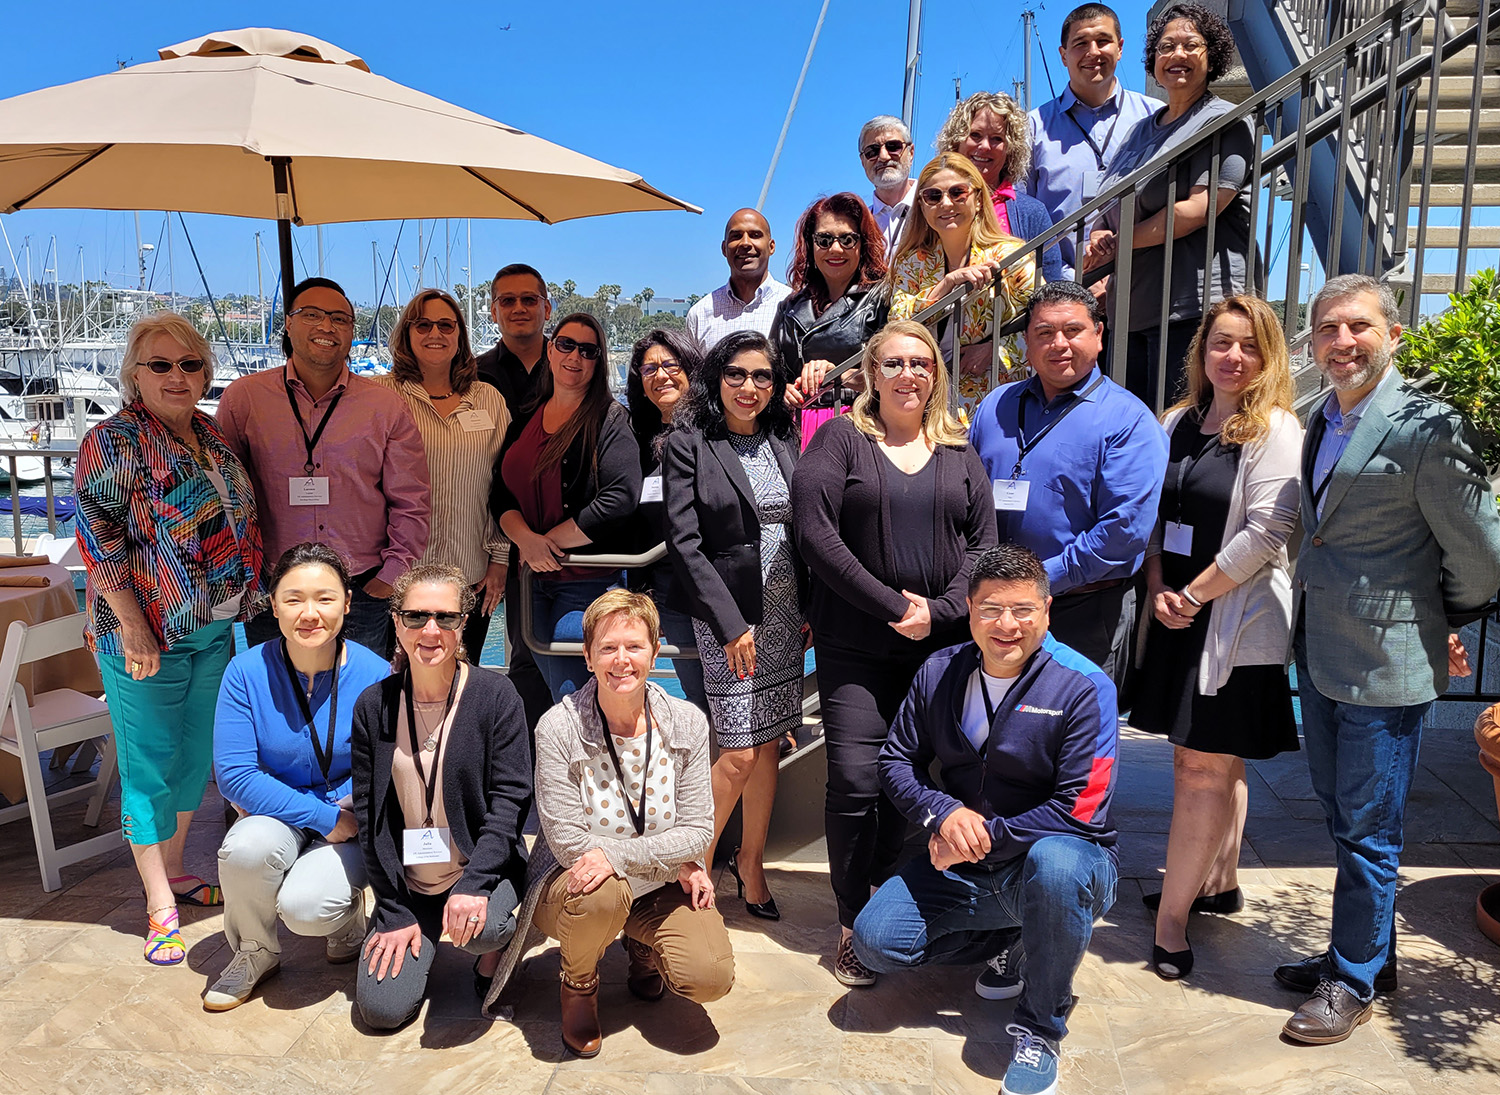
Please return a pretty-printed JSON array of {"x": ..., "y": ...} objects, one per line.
[
  {"x": 934, "y": 195},
  {"x": 589, "y": 351},
  {"x": 424, "y": 326},
  {"x": 735, "y": 377},
  {"x": 161, "y": 366},
  {"x": 894, "y": 147},
  {"x": 824, "y": 241},
  {"x": 414, "y": 620}
]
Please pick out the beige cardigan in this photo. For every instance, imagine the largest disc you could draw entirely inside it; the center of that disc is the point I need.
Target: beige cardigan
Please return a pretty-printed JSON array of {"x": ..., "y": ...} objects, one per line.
[{"x": 1251, "y": 622}]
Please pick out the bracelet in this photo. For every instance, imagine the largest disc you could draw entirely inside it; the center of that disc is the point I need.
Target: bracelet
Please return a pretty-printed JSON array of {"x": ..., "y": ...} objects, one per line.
[{"x": 1189, "y": 598}]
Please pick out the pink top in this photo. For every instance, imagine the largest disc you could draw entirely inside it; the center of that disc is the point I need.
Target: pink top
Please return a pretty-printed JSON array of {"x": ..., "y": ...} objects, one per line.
[
  {"x": 1000, "y": 196},
  {"x": 370, "y": 451}
]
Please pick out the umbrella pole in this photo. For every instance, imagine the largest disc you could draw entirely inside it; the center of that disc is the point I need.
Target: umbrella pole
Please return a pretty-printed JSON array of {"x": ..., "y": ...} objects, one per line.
[
  {"x": 288, "y": 276},
  {"x": 281, "y": 171}
]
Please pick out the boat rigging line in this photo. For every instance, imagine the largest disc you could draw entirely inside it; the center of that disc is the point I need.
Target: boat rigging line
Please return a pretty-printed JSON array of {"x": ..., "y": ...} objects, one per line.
[
  {"x": 233, "y": 349},
  {"x": 791, "y": 109}
]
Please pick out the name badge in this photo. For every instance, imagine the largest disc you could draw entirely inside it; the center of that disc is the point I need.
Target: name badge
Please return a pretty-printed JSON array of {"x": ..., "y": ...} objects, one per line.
[
  {"x": 651, "y": 489},
  {"x": 1011, "y": 494},
  {"x": 1178, "y": 538},
  {"x": 307, "y": 490},
  {"x": 476, "y": 421},
  {"x": 426, "y": 846},
  {"x": 1091, "y": 184}
]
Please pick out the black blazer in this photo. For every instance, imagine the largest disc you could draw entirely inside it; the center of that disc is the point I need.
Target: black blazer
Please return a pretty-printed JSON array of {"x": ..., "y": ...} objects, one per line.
[
  {"x": 713, "y": 533},
  {"x": 486, "y": 791}
]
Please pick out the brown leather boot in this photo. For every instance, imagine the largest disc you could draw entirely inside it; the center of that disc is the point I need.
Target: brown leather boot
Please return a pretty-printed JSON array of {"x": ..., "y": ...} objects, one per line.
[
  {"x": 644, "y": 979},
  {"x": 580, "y": 1016}
]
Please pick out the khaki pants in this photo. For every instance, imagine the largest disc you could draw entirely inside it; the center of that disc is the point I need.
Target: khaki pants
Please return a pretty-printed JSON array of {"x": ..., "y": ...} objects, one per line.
[{"x": 691, "y": 945}]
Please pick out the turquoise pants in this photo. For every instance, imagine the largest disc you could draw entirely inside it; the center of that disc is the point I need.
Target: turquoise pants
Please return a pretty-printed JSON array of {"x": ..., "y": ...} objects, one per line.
[{"x": 164, "y": 730}]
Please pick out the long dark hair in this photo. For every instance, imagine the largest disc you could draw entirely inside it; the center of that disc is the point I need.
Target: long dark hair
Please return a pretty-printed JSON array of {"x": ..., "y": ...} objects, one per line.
[
  {"x": 462, "y": 371},
  {"x": 705, "y": 407},
  {"x": 586, "y": 421},
  {"x": 850, "y": 207},
  {"x": 645, "y": 418}
]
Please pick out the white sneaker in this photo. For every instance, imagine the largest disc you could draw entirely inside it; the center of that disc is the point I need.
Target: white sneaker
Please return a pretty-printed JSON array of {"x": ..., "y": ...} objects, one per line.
[
  {"x": 234, "y": 986},
  {"x": 345, "y": 946}
]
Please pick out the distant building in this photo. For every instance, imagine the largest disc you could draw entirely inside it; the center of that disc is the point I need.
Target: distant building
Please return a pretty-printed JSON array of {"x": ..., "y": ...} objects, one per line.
[{"x": 674, "y": 305}]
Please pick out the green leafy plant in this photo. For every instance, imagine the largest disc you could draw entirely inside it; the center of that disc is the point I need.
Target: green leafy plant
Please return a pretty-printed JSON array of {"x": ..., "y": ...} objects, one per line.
[{"x": 1460, "y": 351}]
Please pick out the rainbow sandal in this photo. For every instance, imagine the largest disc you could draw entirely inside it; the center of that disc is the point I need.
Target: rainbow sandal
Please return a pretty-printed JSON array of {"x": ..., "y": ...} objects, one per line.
[
  {"x": 203, "y": 895},
  {"x": 162, "y": 936}
]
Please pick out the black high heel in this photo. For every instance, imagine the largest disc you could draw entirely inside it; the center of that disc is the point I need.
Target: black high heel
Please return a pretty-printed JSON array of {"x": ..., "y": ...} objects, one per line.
[
  {"x": 767, "y": 909},
  {"x": 1171, "y": 965}
]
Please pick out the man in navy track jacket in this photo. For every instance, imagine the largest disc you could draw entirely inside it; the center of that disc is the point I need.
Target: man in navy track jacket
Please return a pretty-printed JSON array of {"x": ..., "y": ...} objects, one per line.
[{"x": 1024, "y": 730}]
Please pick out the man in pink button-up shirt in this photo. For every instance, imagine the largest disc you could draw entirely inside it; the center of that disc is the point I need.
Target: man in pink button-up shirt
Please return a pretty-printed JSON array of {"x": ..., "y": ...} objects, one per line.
[{"x": 335, "y": 458}]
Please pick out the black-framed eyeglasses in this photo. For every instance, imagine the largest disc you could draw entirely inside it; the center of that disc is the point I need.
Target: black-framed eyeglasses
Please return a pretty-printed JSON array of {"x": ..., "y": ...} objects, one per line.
[
  {"x": 314, "y": 316},
  {"x": 161, "y": 366},
  {"x": 671, "y": 368},
  {"x": 424, "y": 326},
  {"x": 589, "y": 351},
  {"x": 526, "y": 300},
  {"x": 824, "y": 241},
  {"x": 735, "y": 377},
  {"x": 934, "y": 195},
  {"x": 414, "y": 620},
  {"x": 894, "y": 147},
  {"x": 920, "y": 367}
]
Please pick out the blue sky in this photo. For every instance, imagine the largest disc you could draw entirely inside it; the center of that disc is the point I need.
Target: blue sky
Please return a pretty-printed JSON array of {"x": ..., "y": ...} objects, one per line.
[{"x": 689, "y": 94}]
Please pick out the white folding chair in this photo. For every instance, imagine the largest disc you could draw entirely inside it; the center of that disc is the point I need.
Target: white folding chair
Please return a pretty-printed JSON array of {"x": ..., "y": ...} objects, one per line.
[{"x": 49, "y": 720}]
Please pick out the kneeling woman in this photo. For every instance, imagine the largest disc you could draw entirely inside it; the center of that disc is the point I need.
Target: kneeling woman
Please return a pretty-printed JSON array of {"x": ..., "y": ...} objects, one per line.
[
  {"x": 441, "y": 788},
  {"x": 281, "y": 752}
]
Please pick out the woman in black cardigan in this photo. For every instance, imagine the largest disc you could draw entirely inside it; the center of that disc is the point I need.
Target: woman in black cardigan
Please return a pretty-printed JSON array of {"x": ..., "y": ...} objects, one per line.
[
  {"x": 728, "y": 470},
  {"x": 570, "y": 477},
  {"x": 442, "y": 786},
  {"x": 890, "y": 507}
]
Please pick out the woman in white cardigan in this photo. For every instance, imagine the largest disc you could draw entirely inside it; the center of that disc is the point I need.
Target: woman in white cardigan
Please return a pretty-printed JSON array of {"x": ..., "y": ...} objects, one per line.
[{"x": 1213, "y": 672}]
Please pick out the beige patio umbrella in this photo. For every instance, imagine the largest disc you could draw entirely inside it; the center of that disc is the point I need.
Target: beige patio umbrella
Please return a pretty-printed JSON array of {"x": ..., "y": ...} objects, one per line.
[{"x": 281, "y": 126}]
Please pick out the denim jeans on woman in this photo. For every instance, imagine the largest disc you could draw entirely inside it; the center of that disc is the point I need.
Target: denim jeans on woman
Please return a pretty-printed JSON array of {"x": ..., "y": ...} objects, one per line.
[{"x": 557, "y": 617}]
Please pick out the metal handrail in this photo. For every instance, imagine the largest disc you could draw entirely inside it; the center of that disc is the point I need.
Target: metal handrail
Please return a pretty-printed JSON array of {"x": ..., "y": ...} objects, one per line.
[{"x": 11, "y": 458}]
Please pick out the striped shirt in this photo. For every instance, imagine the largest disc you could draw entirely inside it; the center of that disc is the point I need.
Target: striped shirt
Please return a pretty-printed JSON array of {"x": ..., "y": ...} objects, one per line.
[
  {"x": 713, "y": 318},
  {"x": 461, "y": 453}
]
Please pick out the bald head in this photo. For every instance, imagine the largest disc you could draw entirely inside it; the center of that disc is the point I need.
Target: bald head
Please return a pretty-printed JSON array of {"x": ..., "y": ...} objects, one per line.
[{"x": 748, "y": 248}]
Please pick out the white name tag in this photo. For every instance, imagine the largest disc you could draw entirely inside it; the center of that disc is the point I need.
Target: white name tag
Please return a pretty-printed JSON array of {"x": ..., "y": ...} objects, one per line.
[
  {"x": 1178, "y": 538},
  {"x": 1011, "y": 494},
  {"x": 651, "y": 489},
  {"x": 307, "y": 490},
  {"x": 476, "y": 421},
  {"x": 426, "y": 846}
]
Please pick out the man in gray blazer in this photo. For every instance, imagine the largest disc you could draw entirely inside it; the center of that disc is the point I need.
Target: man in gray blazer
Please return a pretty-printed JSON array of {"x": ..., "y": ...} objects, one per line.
[{"x": 1401, "y": 544}]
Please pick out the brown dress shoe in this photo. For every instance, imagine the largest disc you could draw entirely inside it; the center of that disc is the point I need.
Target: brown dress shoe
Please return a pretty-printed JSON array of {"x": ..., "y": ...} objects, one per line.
[
  {"x": 580, "y": 1016},
  {"x": 1329, "y": 1015},
  {"x": 644, "y": 979}
]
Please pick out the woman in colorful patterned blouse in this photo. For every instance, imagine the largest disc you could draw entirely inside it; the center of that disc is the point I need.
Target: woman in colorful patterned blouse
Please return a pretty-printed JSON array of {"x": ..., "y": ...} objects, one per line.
[{"x": 169, "y": 539}]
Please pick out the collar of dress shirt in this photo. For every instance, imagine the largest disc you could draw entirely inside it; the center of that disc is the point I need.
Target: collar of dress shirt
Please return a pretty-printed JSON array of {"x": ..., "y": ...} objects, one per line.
[
  {"x": 1079, "y": 388},
  {"x": 1337, "y": 418},
  {"x": 339, "y": 384},
  {"x": 1069, "y": 97},
  {"x": 878, "y": 205}
]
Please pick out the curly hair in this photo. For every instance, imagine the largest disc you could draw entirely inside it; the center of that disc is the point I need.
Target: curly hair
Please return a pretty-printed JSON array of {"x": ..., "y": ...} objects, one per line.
[
  {"x": 1208, "y": 23},
  {"x": 1017, "y": 132},
  {"x": 850, "y": 207},
  {"x": 645, "y": 419},
  {"x": 431, "y": 574},
  {"x": 464, "y": 368},
  {"x": 705, "y": 406}
]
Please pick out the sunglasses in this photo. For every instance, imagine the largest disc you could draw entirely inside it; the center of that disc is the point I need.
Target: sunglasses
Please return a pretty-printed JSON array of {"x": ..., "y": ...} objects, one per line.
[
  {"x": 414, "y": 620},
  {"x": 894, "y": 147},
  {"x": 824, "y": 241},
  {"x": 920, "y": 367},
  {"x": 671, "y": 368},
  {"x": 934, "y": 195},
  {"x": 314, "y": 316},
  {"x": 735, "y": 377},
  {"x": 162, "y": 367},
  {"x": 526, "y": 300},
  {"x": 589, "y": 351},
  {"x": 424, "y": 326}
]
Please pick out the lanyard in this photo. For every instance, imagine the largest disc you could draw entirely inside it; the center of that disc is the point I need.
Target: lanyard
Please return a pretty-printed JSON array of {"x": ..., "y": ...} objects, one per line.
[
  {"x": 984, "y": 690},
  {"x": 1185, "y": 467},
  {"x": 1027, "y": 446},
  {"x": 1089, "y": 137},
  {"x": 324, "y": 752},
  {"x": 310, "y": 442},
  {"x": 429, "y": 789},
  {"x": 637, "y": 812}
]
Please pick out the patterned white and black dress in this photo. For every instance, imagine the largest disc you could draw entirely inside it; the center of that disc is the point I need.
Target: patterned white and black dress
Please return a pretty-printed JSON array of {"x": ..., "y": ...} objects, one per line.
[{"x": 761, "y": 708}]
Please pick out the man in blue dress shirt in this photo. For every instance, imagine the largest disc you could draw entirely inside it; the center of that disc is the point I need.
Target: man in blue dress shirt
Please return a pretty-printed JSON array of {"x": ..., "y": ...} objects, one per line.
[{"x": 1077, "y": 464}]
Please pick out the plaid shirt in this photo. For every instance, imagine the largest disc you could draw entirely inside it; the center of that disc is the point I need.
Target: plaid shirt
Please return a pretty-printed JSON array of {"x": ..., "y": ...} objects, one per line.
[{"x": 152, "y": 523}]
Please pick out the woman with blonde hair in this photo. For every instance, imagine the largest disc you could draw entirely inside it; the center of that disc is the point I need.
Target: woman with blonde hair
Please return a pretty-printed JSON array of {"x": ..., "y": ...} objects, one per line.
[
  {"x": 956, "y": 242},
  {"x": 1213, "y": 671},
  {"x": 890, "y": 507}
]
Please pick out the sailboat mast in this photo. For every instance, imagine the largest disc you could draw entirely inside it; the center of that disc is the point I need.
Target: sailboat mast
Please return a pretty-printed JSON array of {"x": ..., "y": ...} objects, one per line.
[{"x": 913, "y": 63}]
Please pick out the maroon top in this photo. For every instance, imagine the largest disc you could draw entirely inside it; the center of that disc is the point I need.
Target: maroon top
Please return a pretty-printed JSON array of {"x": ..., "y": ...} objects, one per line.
[{"x": 539, "y": 497}]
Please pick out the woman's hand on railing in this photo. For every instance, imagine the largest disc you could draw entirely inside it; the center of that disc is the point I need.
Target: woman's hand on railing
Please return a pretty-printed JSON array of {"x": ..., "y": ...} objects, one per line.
[
  {"x": 697, "y": 885},
  {"x": 537, "y": 552},
  {"x": 740, "y": 653},
  {"x": 975, "y": 276},
  {"x": 806, "y": 386}
]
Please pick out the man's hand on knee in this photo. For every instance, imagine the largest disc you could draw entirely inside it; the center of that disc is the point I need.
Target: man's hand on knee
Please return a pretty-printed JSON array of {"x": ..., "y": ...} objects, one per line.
[{"x": 965, "y": 833}]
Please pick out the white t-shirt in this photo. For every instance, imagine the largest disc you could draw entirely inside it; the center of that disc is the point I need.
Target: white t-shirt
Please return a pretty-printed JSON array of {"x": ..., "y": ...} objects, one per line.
[
  {"x": 608, "y": 816},
  {"x": 976, "y": 718}
]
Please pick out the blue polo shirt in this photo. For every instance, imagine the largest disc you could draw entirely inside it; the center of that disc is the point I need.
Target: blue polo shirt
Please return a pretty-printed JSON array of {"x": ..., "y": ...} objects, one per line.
[{"x": 1094, "y": 480}]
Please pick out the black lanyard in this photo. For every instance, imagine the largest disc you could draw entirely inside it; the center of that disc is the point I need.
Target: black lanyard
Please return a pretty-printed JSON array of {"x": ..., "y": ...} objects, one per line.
[
  {"x": 1089, "y": 137},
  {"x": 989, "y": 705},
  {"x": 310, "y": 442},
  {"x": 1185, "y": 467},
  {"x": 637, "y": 812},
  {"x": 324, "y": 752},
  {"x": 1027, "y": 446},
  {"x": 429, "y": 789}
]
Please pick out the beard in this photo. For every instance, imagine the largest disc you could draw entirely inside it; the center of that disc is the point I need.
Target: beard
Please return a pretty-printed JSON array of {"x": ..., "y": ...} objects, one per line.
[
  {"x": 1373, "y": 365},
  {"x": 888, "y": 178}
]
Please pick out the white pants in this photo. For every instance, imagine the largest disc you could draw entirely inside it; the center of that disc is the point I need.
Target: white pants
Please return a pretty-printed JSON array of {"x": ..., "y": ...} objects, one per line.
[{"x": 269, "y": 869}]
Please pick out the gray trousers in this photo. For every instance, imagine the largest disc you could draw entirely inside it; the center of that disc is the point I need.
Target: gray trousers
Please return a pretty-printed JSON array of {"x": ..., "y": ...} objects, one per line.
[{"x": 268, "y": 869}]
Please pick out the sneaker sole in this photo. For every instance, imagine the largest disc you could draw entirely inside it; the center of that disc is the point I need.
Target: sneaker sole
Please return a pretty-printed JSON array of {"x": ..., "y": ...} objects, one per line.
[
  {"x": 341, "y": 959},
  {"x": 230, "y": 1003},
  {"x": 985, "y": 992},
  {"x": 852, "y": 981},
  {"x": 1045, "y": 1091}
]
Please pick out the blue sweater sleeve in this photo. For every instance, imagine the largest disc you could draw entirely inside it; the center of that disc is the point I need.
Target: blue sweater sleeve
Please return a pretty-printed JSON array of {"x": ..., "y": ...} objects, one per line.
[
  {"x": 1029, "y": 219},
  {"x": 907, "y": 756}
]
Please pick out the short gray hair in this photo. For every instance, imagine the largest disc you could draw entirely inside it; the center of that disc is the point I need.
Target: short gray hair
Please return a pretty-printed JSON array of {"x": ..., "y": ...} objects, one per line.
[
  {"x": 879, "y": 122},
  {"x": 162, "y": 323},
  {"x": 1352, "y": 285}
]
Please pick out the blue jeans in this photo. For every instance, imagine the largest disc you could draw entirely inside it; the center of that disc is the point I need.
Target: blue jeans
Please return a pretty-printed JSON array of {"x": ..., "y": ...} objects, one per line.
[
  {"x": 1362, "y": 760},
  {"x": 557, "y": 617},
  {"x": 968, "y": 913},
  {"x": 677, "y": 629}
]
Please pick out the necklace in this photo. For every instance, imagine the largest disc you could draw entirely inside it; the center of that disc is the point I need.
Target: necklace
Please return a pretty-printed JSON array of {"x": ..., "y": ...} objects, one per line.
[
  {"x": 449, "y": 395},
  {"x": 433, "y": 732}
]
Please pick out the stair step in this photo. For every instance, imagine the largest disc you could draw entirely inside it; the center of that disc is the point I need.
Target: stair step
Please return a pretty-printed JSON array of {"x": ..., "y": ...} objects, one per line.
[
  {"x": 1450, "y": 195},
  {"x": 1455, "y": 157},
  {"x": 1446, "y": 237},
  {"x": 1461, "y": 22},
  {"x": 1436, "y": 284},
  {"x": 1458, "y": 92},
  {"x": 1456, "y": 123}
]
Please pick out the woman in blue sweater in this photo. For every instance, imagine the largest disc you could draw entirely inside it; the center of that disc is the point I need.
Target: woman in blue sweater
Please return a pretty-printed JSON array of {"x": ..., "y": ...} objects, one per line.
[{"x": 281, "y": 752}]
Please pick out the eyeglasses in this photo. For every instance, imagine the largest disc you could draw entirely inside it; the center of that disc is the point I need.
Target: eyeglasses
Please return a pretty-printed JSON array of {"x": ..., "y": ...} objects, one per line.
[
  {"x": 824, "y": 241},
  {"x": 671, "y": 368},
  {"x": 425, "y": 326},
  {"x": 162, "y": 367},
  {"x": 934, "y": 195},
  {"x": 1022, "y": 614},
  {"x": 526, "y": 300},
  {"x": 735, "y": 377},
  {"x": 894, "y": 147},
  {"x": 1192, "y": 47},
  {"x": 920, "y": 367},
  {"x": 589, "y": 351},
  {"x": 414, "y": 620},
  {"x": 314, "y": 316}
]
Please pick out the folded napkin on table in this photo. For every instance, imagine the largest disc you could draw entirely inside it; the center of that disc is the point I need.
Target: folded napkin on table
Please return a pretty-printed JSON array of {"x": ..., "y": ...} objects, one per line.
[
  {"x": 24, "y": 561},
  {"x": 24, "y": 580}
]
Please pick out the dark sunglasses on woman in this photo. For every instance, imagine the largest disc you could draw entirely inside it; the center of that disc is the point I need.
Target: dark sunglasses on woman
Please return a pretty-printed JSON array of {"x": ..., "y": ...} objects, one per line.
[
  {"x": 423, "y": 326},
  {"x": 933, "y": 195},
  {"x": 824, "y": 241},
  {"x": 162, "y": 367},
  {"x": 589, "y": 351},
  {"x": 735, "y": 377},
  {"x": 415, "y": 621}
]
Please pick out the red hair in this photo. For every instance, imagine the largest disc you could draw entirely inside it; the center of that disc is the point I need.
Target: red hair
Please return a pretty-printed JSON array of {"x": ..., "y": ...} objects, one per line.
[{"x": 849, "y": 207}]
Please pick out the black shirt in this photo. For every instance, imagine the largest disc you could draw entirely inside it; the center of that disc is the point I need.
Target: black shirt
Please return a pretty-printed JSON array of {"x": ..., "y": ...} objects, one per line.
[
  {"x": 912, "y": 501},
  {"x": 506, "y": 371}
]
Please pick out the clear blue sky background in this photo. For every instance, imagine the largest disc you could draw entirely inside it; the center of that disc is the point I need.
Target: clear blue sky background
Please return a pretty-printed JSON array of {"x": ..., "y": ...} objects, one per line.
[{"x": 689, "y": 93}]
